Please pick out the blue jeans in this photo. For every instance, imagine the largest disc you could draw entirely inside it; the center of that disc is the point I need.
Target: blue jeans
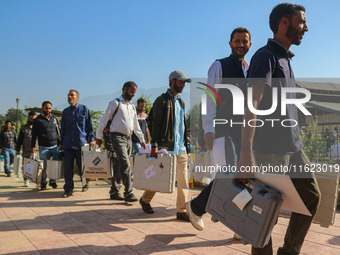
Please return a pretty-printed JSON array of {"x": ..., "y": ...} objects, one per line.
[
  {"x": 136, "y": 147},
  {"x": 9, "y": 154},
  {"x": 43, "y": 156},
  {"x": 199, "y": 203},
  {"x": 69, "y": 156},
  {"x": 122, "y": 169}
]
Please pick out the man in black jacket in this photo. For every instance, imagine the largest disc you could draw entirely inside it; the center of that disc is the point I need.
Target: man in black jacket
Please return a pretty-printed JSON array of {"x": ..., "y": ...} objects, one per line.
[
  {"x": 24, "y": 140},
  {"x": 229, "y": 70},
  {"x": 47, "y": 129},
  {"x": 168, "y": 131}
]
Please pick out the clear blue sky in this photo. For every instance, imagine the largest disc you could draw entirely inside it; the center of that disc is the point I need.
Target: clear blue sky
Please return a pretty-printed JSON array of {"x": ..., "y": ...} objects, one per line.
[{"x": 48, "y": 47}]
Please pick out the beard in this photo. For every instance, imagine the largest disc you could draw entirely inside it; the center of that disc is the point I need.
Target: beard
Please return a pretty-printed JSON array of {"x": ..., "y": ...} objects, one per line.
[
  {"x": 46, "y": 113},
  {"x": 71, "y": 101},
  {"x": 236, "y": 53},
  {"x": 128, "y": 96},
  {"x": 293, "y": 35},
  {"x": 177, "y": 89}
]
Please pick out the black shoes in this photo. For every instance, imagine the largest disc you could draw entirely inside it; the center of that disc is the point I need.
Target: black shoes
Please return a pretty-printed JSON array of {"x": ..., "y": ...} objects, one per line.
[
  {"x": 130, "y": 198},
  {"x": 116, "y": 196},
  {"x": 53, "y": 185},
  {"x": 85, "y": 188},
  {"x": 146, "y": 207},
  {"x": 67, "y": 194},
  {"x": 182, "y": 216},
  {"x": 9, "y": 174}
]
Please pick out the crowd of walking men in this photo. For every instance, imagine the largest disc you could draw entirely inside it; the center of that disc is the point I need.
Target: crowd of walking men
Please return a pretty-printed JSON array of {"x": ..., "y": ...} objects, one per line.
[{"x": 276, "y": 145}]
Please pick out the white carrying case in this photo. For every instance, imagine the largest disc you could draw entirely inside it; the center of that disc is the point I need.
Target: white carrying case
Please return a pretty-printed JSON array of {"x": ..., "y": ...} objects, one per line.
[{"x": 157, "y": 174}]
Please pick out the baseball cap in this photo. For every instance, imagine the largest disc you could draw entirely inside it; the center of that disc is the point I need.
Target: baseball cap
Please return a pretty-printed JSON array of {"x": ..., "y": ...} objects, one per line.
[{"x": 179, "y": 75}]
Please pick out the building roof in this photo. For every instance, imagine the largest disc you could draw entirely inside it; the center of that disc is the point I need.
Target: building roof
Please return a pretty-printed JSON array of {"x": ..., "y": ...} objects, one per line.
[
  {"x": 325, "y": 95},
  {"x": 38, "y": 110},
  {"x": 325, "y": 106},
  {"x": 321, "y": 86}
]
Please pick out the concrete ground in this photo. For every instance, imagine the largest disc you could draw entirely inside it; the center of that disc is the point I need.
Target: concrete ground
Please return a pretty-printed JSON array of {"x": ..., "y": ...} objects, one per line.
[{"x": 41, "y": 222}]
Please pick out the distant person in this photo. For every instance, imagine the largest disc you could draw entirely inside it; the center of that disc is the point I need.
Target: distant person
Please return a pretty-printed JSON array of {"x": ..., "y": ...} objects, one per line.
[
  {"x": 8, "y": 140},
  {"x": 24, "y": 140},
  {"x": 47, "y": 129},
  {"x": 141, "y": 116},
  {"x": 315, "y": 123},
  {"x": 123, "y": 125},
  {"x": 334, "y": 136},
  {"x": 76, "y": 130},
  {"x": 189, "y": 145},
  {"x": 279, "y": 145},
  {"x": 303, "y": 131},
  {"x": 169, "y": 132}
]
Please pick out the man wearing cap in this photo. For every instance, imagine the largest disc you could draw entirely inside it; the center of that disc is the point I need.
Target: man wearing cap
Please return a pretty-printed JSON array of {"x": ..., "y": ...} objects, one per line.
[
  {"x": 168, "y": 131},
  {"x": 24, "y": 140}
]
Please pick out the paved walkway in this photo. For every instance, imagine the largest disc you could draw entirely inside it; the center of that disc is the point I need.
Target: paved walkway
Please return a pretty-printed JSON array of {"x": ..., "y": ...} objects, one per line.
[{"x": 41, "y": 222}]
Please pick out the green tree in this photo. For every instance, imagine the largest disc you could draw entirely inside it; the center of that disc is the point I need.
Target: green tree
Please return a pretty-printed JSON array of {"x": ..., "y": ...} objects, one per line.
[
  {"x": 96, "y": 116},
  {"x": 2, "y": 120},
  {"x": 192, "y": 118},
  {"x": 12, "y": 116},
  {"x": 314, "y": 144}
]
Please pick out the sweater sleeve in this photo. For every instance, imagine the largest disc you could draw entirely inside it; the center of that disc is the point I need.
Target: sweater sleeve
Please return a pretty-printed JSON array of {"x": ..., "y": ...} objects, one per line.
[
  {"x": 20, "y": 140},
  {"x": 34, "y": 133},
  {"x": 157, "y": 119}
]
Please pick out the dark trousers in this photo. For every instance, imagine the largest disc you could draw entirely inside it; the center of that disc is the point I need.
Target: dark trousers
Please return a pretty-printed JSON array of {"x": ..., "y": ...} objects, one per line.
[
  {"x": 69, "y": 156},
  {"x": 308, "y": 189},
  {"x": 122, "y": 170},
  {"x": 199, "y": 203},
  {"x": 232, "y": 152}
]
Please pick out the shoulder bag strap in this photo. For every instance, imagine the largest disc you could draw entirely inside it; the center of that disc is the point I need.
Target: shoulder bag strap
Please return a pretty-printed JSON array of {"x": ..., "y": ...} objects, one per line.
[{"x": 113, "y": 115}]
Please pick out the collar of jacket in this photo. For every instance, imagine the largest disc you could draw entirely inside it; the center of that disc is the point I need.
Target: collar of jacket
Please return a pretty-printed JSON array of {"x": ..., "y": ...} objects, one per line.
[
  {"x": 172, "y": 95},
  {"x": 236, "y": 59},
  {"x": 76, "y": 106},
  {"x": 280, "y": 49}
]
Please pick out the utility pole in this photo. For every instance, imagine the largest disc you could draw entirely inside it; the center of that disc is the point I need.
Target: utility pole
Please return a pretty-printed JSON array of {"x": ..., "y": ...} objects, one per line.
[{"x": 17, "y": 124}]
